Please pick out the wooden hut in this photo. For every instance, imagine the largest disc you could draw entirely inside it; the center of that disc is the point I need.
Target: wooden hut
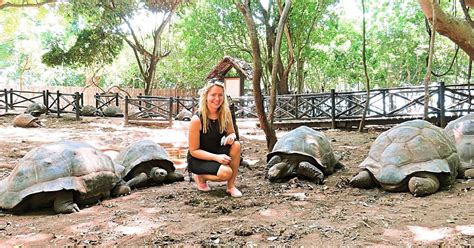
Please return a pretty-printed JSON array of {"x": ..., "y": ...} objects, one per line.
[{"x": 234, "y": 85}]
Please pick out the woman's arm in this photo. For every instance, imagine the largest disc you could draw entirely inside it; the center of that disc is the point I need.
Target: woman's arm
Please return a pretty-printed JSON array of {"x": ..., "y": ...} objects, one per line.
[
  {"x": 230, "y": 138},
  {"x": 194, "y": 145}
]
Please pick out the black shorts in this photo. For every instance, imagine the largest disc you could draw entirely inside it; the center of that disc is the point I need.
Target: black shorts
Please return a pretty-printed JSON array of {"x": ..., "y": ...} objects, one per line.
[{"x": 200, "y": 167}]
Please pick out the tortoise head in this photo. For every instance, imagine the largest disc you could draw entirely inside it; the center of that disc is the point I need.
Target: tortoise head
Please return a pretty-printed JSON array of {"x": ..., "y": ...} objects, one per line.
[
  {"x": 158, "y": 174},
  {"x": 281, "y": 171}
]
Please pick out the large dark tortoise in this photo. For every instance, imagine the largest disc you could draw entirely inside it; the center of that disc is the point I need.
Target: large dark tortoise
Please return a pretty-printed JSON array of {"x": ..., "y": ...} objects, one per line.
[
  {"x": 36, "y": 109},
  {"x": 146, "y": 163},
  {"x": 461, "y": 132},
  {"x": 414, "y": 156},
  {"x": 63, "y": 175},
  {"x": 302, "y": 152}
]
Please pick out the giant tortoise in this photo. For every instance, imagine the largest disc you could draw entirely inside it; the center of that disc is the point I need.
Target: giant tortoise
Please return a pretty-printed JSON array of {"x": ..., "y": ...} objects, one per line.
[
  {"x": 112, "y": 111},
  {"x": 461, "y": 132},
  {"x": 146, "y": 163},
  {"x": 415, "y": 156},
  {"x": 184, "y": 115},
  {"x": 36, "y": 109},
  {"x": 302, "y": 152},
  {"x": 63, "y": 175},
  {"x": 89, "y": 110},
  {"x": 26, "y": 120}
]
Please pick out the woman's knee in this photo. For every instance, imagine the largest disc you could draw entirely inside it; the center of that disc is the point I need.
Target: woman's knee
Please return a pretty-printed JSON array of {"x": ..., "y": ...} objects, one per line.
[
  {"x": 235, "y": 147},
  {"x": 225, "y": 172}
]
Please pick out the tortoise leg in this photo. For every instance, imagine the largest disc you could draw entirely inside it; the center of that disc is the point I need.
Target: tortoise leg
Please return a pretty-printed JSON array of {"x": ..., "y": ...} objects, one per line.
[
  {"x": 308, "y": 170},
  {"x": 34, "y": 124},
  {"x": 158, "y": 174},
  {"x": 469, "y": 173},
  {"x": 174, "y": 176},
  {"x": 363, "y": 180},
  {"x": 121, "y": 189},
  {"x": 280, "y": 171},
  {"x": 64, "y": 203},
  {"x": 137, "y": 180},
  {"x": 422, "y": 184},
  {"x": 273, "y": 161}
]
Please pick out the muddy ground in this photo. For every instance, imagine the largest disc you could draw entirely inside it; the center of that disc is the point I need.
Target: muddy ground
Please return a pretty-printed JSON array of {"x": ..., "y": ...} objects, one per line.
[{"x": 297, "y": 213}]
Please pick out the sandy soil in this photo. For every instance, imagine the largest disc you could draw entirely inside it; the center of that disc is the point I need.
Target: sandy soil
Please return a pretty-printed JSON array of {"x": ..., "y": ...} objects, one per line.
[{"x": 296, "y": 213}]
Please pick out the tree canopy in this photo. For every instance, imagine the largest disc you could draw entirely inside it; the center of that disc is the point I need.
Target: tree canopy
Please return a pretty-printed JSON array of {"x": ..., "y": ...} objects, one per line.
[{"x": 173, "y": 44}]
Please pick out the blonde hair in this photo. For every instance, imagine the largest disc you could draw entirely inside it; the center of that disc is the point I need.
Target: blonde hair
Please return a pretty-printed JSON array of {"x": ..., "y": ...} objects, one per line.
[{"x": 223, "y": 112}]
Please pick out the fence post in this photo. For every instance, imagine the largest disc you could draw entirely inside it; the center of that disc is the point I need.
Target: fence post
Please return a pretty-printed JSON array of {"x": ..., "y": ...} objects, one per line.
[
  {"x": 296, "y": 107},
  {"x": 333, "y": 108},
  {"x": 194, "y": 104},
  {"x": 126, "y": 110},
  {"x": 82, "y": 99},
  {"x": 116, "y": 99},
  {"x": 96, "y": 96},
  {"x": 140, "y": 102},
  {"x": 177, "y": 104},
  {"x": 383, "y": 101},
  {"x": 11, "y": 98},
  {"x": 76, "y": 102},
  {"x": 58, "y": 104},
  {"x": 171, "y": 111},
  {"x": 6, "y": 99},
  {"x": 46, "y": 102},
  {"x": 442, "y": 113}
]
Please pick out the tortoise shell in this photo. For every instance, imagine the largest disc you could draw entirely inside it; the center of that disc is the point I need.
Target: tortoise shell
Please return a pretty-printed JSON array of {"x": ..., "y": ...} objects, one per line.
[
  {"x": 410, "y": 147},
  {"x": 36, "y": 109},
  {"x": 143, "y": 153},
  {"x": 26, "y": 120},
  {"x": 112, "y": 111},
  {"x": 88, "y": 110},
  {"x": 65, "y": 165},
  {"x": 308, "y": 145},
  {"x": 461, "y": 132}
]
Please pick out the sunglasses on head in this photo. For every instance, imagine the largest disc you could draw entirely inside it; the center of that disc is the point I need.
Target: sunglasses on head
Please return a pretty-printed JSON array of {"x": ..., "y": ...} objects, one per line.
[{"x": 216, "y": 81}]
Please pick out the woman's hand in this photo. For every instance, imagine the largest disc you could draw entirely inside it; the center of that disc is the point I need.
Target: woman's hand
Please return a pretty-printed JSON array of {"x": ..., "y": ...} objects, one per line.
[
  {"x": 222, "y": 159},
  {"x": 229, "y": 139}
]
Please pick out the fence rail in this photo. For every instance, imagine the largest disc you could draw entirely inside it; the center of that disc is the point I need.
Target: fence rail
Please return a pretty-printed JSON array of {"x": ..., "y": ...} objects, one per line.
[{"x": 394, "y": 103}]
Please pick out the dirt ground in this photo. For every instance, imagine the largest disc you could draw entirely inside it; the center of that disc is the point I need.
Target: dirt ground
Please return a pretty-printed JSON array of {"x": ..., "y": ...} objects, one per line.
[{"x": 296, "y": 213}]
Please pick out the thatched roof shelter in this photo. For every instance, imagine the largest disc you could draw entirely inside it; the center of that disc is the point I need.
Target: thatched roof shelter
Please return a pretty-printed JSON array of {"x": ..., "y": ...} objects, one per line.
[
  {"x": 226, "y": 64},
  {"x": 234, "y": 85}
]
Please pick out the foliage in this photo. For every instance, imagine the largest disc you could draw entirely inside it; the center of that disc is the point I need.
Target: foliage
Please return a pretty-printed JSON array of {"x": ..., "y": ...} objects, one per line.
[
  {"x": 205, "y": 34},
  {"x": 198, "y": 38},
  {"x": 92, "y": 47},
  {"x": 22, "y": 41}
]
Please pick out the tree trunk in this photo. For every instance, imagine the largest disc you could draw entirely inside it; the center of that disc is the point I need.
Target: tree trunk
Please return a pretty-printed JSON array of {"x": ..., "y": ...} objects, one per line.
[
  {"x": 459, "y": 31},
  {"x": 284, "y": 87},
  {"x": 300, "y": 75},
  {"x": 276, "y": 60},
  {"x": 426, "y": 100},
  {"x": 367, "y": 81},
  {"x": 469, "y": 73},
  {"x": 152, "y": 58},
  {"x": 257, "y": 73}
]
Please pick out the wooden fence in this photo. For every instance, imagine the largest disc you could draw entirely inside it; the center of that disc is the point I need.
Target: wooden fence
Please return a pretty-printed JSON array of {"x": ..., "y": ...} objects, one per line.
[
  {"x": 89, "y": 93},
  {"x": 395, "y": 104}
]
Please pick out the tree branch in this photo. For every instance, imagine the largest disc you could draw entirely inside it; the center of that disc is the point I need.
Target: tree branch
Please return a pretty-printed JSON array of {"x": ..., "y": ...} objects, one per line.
[
  {"x": 466, "y": 12},
  {"x": 459, "y": 31},
  {"x": 24, "y": 5}
]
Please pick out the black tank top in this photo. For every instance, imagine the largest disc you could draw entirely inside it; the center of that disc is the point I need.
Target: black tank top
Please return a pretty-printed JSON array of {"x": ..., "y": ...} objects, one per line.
[{"x": 211, "y": 141}]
